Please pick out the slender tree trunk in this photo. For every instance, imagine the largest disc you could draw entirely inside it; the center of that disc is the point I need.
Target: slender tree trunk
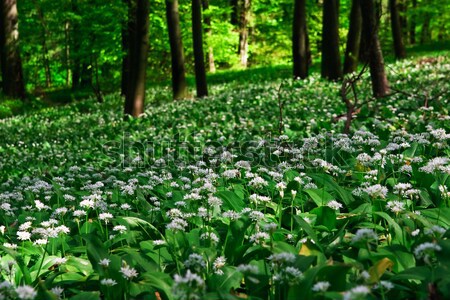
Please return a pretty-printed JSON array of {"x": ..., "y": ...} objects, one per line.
[
  {"x": 134, "y": 100},
  {"x": 412, "y": 26},
  {"x": 44, "y": 33},
  {"x": 176, "y": 50},
  {"x": 234, "y": 12},
  {"x": 300, "y": 40},
  {"x": 402, "y": 9},
  {"x": 76, "y": 48},
  {"x": 197, "y": 37},
  {"x": 425, "y": 33},
  {"x": 399, "y": 47},
  {"x": 331, "y": 60},
  {"x": 11, "y": 64},
  {"x": 127, "y": 27},
  {"x": 353, "y": 38},
  {"x": 244, "y": 16},
  {"x": 86, "y": 72},
  {"x": 208, "y": 32},
  {"x": 380, "y": 84},
  {"x": 67, "y": 51}
]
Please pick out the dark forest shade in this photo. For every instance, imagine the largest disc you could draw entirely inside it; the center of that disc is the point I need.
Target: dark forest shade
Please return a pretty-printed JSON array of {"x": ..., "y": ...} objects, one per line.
[
  {"x": 397, "y": 34},
  {"x": 300, "y": 40},
  {"x": 179, "y": 85},
  {"x": 331, "y": 60},
  {"x": 11, "y": 64},
  {"x": 380, "y": 85},
  {"x": 353, "y": 38},
  {"x": 138, "y": 55},
  {"x": 199, "y": 58}
]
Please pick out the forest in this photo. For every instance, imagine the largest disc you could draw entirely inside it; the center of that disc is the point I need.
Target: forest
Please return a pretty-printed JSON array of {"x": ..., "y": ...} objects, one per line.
[{"x": 224, "y": 149}]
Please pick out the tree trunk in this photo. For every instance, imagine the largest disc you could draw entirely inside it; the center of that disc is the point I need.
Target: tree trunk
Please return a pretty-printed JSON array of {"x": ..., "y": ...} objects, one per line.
[
  {"x": 399, "y": 47},
  {"x": 299, "y": 40},
  {"x": 199, "y": 58},
  {"x": 244, "y": 16},
  {"x": 11, "y": 64},
  {"x": 234, "y": 12},
  {"x": 44, "y": 33},
  {"x": 67, "y": 51},
  {"x": 380, "y": 85},
  {"x": 402, "y": 9},
  {"x": 353, "y": 38},
  {"x": 412, "y": 28},
  {"x": 76, "y": 48},
  {"x": 425, "y": 33},
  {"x": 176, "y": 50},
  {"x": 331, "y": 60},
  {"x": 127, "y": 27},
  {"x": 207, "y": 21},
  {"x": 135, "y": 97}
]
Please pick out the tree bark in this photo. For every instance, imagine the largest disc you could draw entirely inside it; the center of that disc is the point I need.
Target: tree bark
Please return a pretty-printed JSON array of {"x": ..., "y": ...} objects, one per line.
[
  {"x": 380, "y": 84},
  {"x": 402, "y": 9},
  {"x": 244, "y": 16},
  {"x": 44, "y": 33},
  {"x": 199, "y": 58},
  {"x": 425, "y": 33},
  {"x": 11, "y": 64},
  {"x": 208, "y": 32},
  {"x": 331, "y": 60},
  {"x": 299, "y": 40},
  {"x": 127, "y": 27},
  {"x": 412, "y": 26},
  {"x": 353, "y": 38},
  {"x": 135, "y": 97},
  {"x": 399, "y": 47},
  {"x": 76, "y": 48},
  {"x": 179, "y": 85}
]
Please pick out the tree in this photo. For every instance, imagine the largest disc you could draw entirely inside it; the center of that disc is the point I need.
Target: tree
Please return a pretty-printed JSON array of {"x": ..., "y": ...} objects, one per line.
[
  {"x": 412, "y": 26},
  {"x": 331, "y": 60},
  {"x": 127, "y": 29},
  {"x": 179, "y": 85},
  {"x": 300, "y": 40},
  {"x": 199, "y": 58},
  {"x": 399, "y": 47},
  {"x": 11, "y": 64},
  {"x": 380, "y": 84},
  {"x": 353, "y": 38},
  {"x": 138, "y": 55},
  {"x": 244, "y": 17},
  {"x": 207, "y": 21}
]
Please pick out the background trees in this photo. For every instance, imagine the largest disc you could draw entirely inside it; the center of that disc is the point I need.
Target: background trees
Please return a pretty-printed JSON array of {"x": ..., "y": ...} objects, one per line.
[{"x": 68, "y": 44}]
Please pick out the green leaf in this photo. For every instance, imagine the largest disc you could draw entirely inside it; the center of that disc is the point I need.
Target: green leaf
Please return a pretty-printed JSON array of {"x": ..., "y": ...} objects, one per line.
[
  {"x": 230, "y": 279},
  {"x": 86, "y": 296},
  {"x": 320, "y": 197},
  {"x": 231, "y": 200},
  {"x": 325, "y": 216}
]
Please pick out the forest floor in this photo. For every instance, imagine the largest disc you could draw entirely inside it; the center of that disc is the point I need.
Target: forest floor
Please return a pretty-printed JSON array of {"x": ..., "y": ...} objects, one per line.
[{"x": 251, "y": 193}]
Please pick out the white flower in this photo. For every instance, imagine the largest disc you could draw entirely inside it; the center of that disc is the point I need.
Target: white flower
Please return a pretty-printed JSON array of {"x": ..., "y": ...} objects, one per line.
[
  {"x": 358, "y": 292},
  {"x": 108, "y": 282},
  {"x": 396, "y": 206},
  {"x": 26, "y": 292},
  {"x": 120, "y": 228},
  {"x": 104, "y": 262},
  {"x": 334, "y": 205},
  {"x": 425, "y": 249},
  {"x": 247, "y": 269},
  {"x": 188, "y": 287},
  {"x": 159, "y": 242},
  {"x": 23, "y": 235},
  {"x": 321, "y": 286},
  {"x": 259, "y": 237},
  {"x": 364, "y": 235},
  {"x": 57, "y": 291},
  {"x": 128, "y": 272},
  {"x": 219, "y": 263},
  {"x": 105, "y": 217}
]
